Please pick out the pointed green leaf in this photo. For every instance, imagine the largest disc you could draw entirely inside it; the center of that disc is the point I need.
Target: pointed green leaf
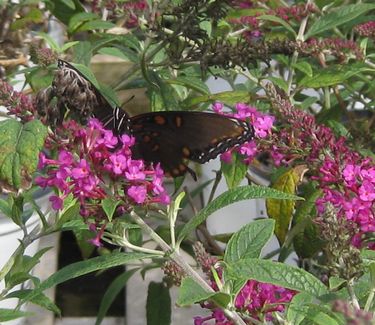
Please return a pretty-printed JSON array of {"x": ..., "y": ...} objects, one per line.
[
  {"x": 109, "y": 205},
  {"x": 191, "y": 83},
  {"x": 299, "y": 308},
  {"x": 158, "y": 306},
  {"x": 249, "y": 240},
  {"x": 232, "y": 196},
  {"x": 282, "y": 210},
  {"x": 338, "y": 17},
  {"x": 226, "y": 97},
  {"x": 306, "y": 240},
  {"x": 278, "y": 20},
  {"x": 75, "y": 270},
  {"x": 278, "y": 274},
  {"x": 41, "y": 300},
  {"x": 322, "y": 315},
  {"x": 20, "y": 145},
  {"x": 9, "y": 314},
  {"x": 304, "y": 67},
  {"x": 235, "y": 171}
]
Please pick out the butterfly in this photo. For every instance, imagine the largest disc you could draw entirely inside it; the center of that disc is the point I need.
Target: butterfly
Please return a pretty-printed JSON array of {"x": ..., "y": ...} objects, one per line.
[{"x": 166, "y": 137}]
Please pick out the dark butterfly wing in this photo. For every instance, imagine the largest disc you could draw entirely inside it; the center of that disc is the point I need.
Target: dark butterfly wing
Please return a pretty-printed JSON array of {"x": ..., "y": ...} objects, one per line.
[
  {"x": 78, "y": 93},
  {"x": 168, "y": 138},
  {"x": 173, "y": 136}
]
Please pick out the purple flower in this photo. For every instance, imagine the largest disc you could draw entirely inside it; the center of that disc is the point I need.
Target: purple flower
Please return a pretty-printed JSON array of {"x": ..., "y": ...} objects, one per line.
[
  {"x": 134, "y": 170},
  {"x": 263, "y": 125},
  {"x": 91, "y": 161},
  {"x": 217, "y": 107},
  {"x": 57, "y": 202},
  {"x": 82, "y": 170},
  {"x": 117, "y": 163},
  {"x": 137, "y": 193},
  {"x": 367, "y": 191},
  {"x": 127, "y": 140}
]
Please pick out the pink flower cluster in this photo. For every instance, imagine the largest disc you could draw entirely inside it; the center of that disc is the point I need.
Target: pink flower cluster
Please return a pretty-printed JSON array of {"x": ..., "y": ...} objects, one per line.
[
  {"x": 255, "y": 299},
  {"x": 349, "y": 184},
  {"x": 337, "y": 47},
  {"x": 366, "y": 29},
  {"x": 130, "y": 10},
  {"x": 258, "y": 299},
  {"x": 91, "y": 163},
  {"x": 346, "y": 178},
  {"x": 261, "y": 123},
  {"x": 16, "y": 103},
  {"x": 296, "y": 12}
]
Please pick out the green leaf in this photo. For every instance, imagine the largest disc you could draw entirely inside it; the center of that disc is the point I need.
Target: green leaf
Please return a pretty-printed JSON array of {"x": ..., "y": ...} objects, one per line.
[
  {"x": 20, "y": 145},
  {"x": 78, "y": 19},
  {"x": 299, "y": 308},
  {"x": 113, "y": 51},
  {"x": 111, "y": 293},
  {"x": 229, "y": 197},
  {"x": 278, "y": 20},
  {"x": 368, "y": 255},
  {"x": 165, "y": 93},
  {"x": 333, "y": 75},
  {"x": 372, "y": 274},
  {"x": 191, "y": 83},
  {"x": 304, "y": 67},
  {"x": 226, "y": 97},
  {"x": 158, "y": 306},
  {"x": 338, "y": 128},
  {"x": 83, "y": 237},
  {"x": 64, "y": 9},
  {"x": 67, "y": 46},
  {"x": 95, "y": 24},
  {"x": 69, "y": 213},
  {"x": 9, "y": 314},
  {"x": 109, "y": 205},
  {"x": 249, "y": 241},
  {"x": 191, "y": 292},
  {"x": 322, "y": 315},
  {"x": 278, "y": 274},
  {"x": 11, "y": 262},
  {"x": 308, "y": 102},
  {"x": 5, "y": 208},
  {"x": 75, "y": 270},
  {"x": 50, "y": 41},
  {"x": 279, "y": 82},
  {"x": 306, "y": 240},
  {"x": 235, "y": 171},
  {"x": 40, "y": 300},
  {"x": 338, "y": 17},
  {"x": 282, "y": 210},
  {"x": 34, "y": 16},
  {"x": 29, "y": 262}
]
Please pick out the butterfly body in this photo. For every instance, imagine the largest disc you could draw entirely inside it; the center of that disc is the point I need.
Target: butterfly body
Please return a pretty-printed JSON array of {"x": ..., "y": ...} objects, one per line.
[{"x": 167, "y": 137}]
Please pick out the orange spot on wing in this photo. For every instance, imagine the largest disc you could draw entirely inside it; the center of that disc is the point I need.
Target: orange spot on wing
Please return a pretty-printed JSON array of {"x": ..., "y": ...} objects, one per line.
[
  {"x": 146, "y": 138},
  {"x": 186, "y": 151},
  {"x": 159, "y": 120},
  {"x": 175, "y": 171},
  {"x": 178, "y": 121},
  {"x": 182, "y": 168}
]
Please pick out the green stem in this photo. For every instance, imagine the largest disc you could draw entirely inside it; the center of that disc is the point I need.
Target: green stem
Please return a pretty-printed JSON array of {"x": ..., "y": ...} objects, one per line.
[
  {"x": 300, "y": 37},
  {"x": 180, "y": 261},
  {"x": 352, "y": 295},
  {"x": 370, "y": 300},
  {"x": 215, "y": 185}
]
